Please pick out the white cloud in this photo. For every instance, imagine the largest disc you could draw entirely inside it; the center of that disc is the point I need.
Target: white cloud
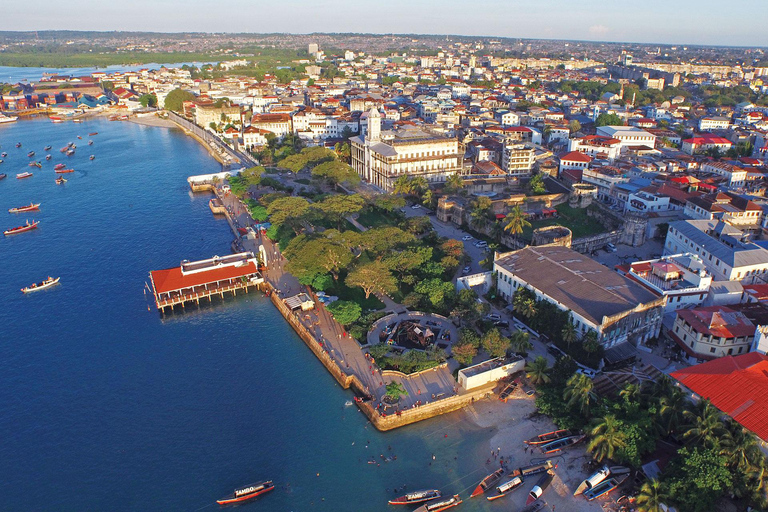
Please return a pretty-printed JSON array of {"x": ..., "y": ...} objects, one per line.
[{"x": 598, "y": 30}]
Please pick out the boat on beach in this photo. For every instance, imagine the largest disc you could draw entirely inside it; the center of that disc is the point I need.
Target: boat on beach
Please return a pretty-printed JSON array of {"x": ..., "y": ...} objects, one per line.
[
  {"x": 506, "y": 488},
  {"x": 247, "y": 493},
  {"x": 560, "y": 444},
  {"x": 63, "y": 171},
  {"x": 534, "y": 469},
  {"x": 21, "y": 229},
  {"x": 440, "y": 504},
  {"x": 550, "y": 436},
  {"x": 604, "y": 487},
  {"x": 488, "y": 482},
  {"x": 23, "y": 175},
  {"x": 41, "y": 285},
  {"x": 27, "y": 208},
  {"x": 600, "y": 475},
  {"x": 540, "y": 487},
  {"x": 416, "y": 497}
]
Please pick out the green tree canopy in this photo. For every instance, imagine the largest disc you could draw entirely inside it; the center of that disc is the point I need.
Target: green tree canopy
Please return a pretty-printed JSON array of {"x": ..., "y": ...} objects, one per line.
[
  {"x": 344, "y": 311},
  {"x": 176, "y": 98},
  {"x": 605, "y": 119},
  {"x": 495, "y": 344},
  {"x": 372, "y": 277}
]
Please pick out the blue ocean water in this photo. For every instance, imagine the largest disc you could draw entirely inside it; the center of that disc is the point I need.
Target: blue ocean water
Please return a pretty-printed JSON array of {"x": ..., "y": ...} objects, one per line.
[
  {"x": 105, "y": 406},
  {"x": 12, "y": 74}
]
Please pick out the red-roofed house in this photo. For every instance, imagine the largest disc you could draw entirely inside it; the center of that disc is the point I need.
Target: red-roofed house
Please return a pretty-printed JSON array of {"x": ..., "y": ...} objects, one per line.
[
  {"x": 574, "y": 160},
  {"x": 712, "y": 332},
  {"x": 738, "y": 386},
  {"x": 704, "y": 143}
]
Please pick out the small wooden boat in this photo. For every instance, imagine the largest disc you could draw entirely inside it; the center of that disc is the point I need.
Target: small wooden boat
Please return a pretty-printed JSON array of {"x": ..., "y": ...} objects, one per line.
[
  {"x": 47, "y": 148},
  {"x": 488, "y": 482},
  {"x": 535, "y": 506},
  {"x": 535, "y": 469},
  {"x": 92, "y": 134},
  {"x": 560, "y": 444},
  {"x": 416, "y": 497},
  {"x": 47, "y": 157},
  {"x": 247, "y": 493},
  {"x": 3, "y": 154},
  {"x": 61, "y": 180},
  {"x": 92, "y": 157},
  {"x": 32, "y": 164},
  {"x": 23, "y": 175},
  {"x": 506, "y": 488},
  {"x": 507, "y": 391},
  {"x": 3, "y": 175},
  {"x": 79, "y": 137},
  {"x": 599, "y": 476},
  {"x": 42, "y": 285},
  {"x": 604, "y": 487},
  {"x": 28, "y": 208},
  {"x": 440, "y": 504},
  {"x": 540, "y": 487},
  {"x": 63, "y": 171},
  {"x": 70, "y": 152},
  {"x": 64, "y": 149},
  {"x": 58, "y": 166},
  {"x": 21, "y": 229},
  {"x": 90, "y": 143},
  {"x": 18, "y": 144},
  {"x": 550, "y": 436},
  {"x": 31, "y": 154}
]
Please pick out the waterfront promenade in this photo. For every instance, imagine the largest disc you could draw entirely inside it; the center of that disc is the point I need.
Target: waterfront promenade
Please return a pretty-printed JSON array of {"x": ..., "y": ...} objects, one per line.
[{"x": 341, "y": 348}]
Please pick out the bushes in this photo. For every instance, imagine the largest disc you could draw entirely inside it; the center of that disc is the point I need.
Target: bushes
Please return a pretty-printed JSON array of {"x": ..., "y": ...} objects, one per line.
[{"x": 411, "y": 362}]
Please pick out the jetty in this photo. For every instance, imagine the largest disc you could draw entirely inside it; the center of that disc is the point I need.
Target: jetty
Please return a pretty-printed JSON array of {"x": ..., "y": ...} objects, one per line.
[{"x": 195, "y": 280}]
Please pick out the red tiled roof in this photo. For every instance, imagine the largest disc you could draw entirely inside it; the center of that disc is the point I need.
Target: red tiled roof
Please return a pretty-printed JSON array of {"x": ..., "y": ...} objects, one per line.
[
  {"x": 171, "y": 279},
  {"x": 719, "y": 321},
  {"x": 575, "y": 156},
  {"x": 738, "y": 386}
]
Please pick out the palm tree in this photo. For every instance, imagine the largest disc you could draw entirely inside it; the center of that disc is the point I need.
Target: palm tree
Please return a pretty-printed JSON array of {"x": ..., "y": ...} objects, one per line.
[
  {"x": 704, "y": 424},
  {"x": 671, "y": 408},
  {"x": 740, "y": 447},
  {"x": 606, "y": 437},
  {"x": 454, "y": 182},
  {"x": 630, "y": 393},
  {"x": 420, "y": 184},
  {"x": 578, "y": 392},
  {"x": 537, "y": 371},
  {"x": 569, "y": 333},
  {"x": 520, "y": 342},
  {"x": 590, "y": 342},
  {"x": 529, "y": 309},
  {"x": 651, "y": 497},
  {"x": 426, "y": 200},
  {"x": 403, "y": 185},
  {"x": 516, "y": 221}
]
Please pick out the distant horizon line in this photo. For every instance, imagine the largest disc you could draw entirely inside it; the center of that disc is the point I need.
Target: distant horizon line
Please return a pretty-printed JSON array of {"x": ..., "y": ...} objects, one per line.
[{"x": 384, "y": 34}]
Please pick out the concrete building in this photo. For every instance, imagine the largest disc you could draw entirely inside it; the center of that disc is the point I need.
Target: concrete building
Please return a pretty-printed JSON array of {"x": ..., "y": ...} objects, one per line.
[
  {"x": 707, "y": 124},
  {"x": 712, "y": 332},
  {"x": 727, "y": 254},
  {"x": 380, "y": 157},
  {"x": 618, "y": 309},
  {"x": 628, "y": 135},
  {"x": 518, "y": 159},
  {"x": 597, "y": 146},
  {"x": 700, "y": 144},
  {"x": 489, "y": 371}
]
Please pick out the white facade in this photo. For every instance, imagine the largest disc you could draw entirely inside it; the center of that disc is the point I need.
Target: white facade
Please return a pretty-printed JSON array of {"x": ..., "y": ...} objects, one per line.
[
  {"x": 647, "y": 202},
  {"x": 489, "y": 371},
  {"x": 713, "y": 123},
  {"x": 682, "y": 278},
  {"x": 628, "y": 135}
]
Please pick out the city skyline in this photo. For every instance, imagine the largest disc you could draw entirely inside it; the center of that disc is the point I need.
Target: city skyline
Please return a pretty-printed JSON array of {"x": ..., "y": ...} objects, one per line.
[{"x": 687, "y": 22}]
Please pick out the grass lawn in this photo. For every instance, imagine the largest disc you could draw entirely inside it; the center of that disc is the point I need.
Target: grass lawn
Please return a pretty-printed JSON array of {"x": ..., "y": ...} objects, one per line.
[
  {"x": 355, "y": 294},
  {"x": 375, "y": 219},
  {"x": 575, "y": 219}
]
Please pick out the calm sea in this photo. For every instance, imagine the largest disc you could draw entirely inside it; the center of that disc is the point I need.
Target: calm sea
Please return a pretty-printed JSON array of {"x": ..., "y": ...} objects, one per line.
[
  {"x": 12, "y": 74},
  {"x": 105, "y": 406}
]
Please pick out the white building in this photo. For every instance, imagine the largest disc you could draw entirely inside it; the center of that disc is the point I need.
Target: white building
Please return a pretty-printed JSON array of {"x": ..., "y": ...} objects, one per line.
[
  {"x": 707, "y": 124},
  {"x": 628, "y": 135},
  {"x": 597, "y": 146},
  {"x": 682, "y": 278},
  {"x": 647, "y": 202},
  {"x": 518, "y": 159}
]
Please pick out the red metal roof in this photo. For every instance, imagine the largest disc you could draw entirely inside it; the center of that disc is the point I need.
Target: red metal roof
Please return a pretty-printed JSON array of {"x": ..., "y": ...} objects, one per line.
[
  {"x": 738, "y": 386},
  {"x": 171, "y": 279}
]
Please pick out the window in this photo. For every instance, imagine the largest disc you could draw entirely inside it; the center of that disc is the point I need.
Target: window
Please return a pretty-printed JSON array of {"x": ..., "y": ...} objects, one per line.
[{"x": 712, "y": 350}]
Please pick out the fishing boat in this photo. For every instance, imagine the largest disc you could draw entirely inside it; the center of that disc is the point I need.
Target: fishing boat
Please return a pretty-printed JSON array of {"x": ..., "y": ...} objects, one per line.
[
  {"x": 247, "y": 493},
  {"x": 3, "y": 154},
  {"x": 535, "y": 506},
  {"x": 77, "y": 121},
  {"x": 3, "y": 175},
  {"x": 91, "y": 157},
  {"x": 416, "y": 497},
  {"x": 42, "y": 285},
  {"x": 92, "y": 134},
  {"x": 23, "y": 175},
  {"x": 70, "y": 152},
  {"x": 31, "y": 154},
  {"x": 487, "y": 482},
  {"x": 540, "y": 487},
  {"x": 7, "y": 119},
  {"x": 21, "y": 229},
  {"x": 36, "y": 164},
  {"x": 535, "y": 469},
  {"x": 507, "y": 391},
  {"x": 90, "y": 143},
  {"x": 599, "y": 476},
  {"x": 28, "y": 208},
  {"x": 55, "y": 119},
  {"x": 18, "y": 144},
  {"x": 61, "y": 180},
  {"x": 550, "y": 436},
  {"x": 506, "y": 488},
  {"x": 79, "y": 137},
  {"x": 64, "y": 149},
  {"x": 440, "y": 504},
  {"x": 47, "y": 157},
  {"x": 560, "y": 444},
  {"x": 604, "y": 487},
  {"x": 47, "y": 148},
  {"x": 58, "y": 166},
  {"x": 63, "y": 171}
]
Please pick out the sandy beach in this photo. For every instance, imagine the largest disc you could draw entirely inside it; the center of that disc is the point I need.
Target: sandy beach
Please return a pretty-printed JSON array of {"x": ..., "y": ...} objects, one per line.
[
  {"x": 152, "y": 120},
  {"x": 517, "y": 420}
]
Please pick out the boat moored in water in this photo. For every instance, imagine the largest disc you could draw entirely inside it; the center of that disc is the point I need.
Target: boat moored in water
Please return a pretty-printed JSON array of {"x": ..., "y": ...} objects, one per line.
[
  {"x": 506, "y": 488},
  {"x": 540, "y": 487},
  {"x": 3, "y": 175},
  {"x": 487, "y": 482},
  {"x": 92, "y": 157},
  {"x": 47, "y": 157},
  {"x": 41, "y": 285},
  {"x": 416, "y": 497},
  {"x": 3, "y": 154},
  {"x": 21, "y": 229},
  {"x": 70, "y": 152},
  {"x": 31, "y": 154},
  {"x": 18, "y": 144},
  {"x": 27, "y": 208},
  {"x": 90, "y": 143},
  {"x": 58, "y": 166},
  {"x": 61, "y": 180},
  {"x": 92, "y": 134},
  {"x": 440, "y": 504},
  {"x": 47, "y": 148},
  {"x": 63, "y": 171},
  {"x": 247, "y": 493},
  {"x": 23, "y": 175}
]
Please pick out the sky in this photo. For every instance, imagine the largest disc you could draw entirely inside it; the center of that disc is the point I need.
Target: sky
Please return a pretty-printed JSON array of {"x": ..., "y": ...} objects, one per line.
[{"x": 708, "y": 22}]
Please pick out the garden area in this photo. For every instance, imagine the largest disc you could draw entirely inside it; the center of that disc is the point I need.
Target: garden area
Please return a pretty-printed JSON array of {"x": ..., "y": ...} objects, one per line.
[
  {"x": 575, "y": 219},
  {"x": 712, "y": 457}
]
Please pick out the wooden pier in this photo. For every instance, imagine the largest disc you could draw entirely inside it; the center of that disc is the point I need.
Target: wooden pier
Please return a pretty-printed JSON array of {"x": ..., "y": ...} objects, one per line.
[{"x": 195, "y": 280}]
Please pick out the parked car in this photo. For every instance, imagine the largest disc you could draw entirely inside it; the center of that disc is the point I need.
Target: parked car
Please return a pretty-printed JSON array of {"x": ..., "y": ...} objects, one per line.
[
  {"x": 501, "y": 323},
  {"x": 554, "y": 351},
  {"x": 416, "y": 206},
  {"x": 609, "y": 247},
  {"x": 466, "y": 238},
  {"x": 586, "y": 371},
  {"x": 466, "y": 270},
  {"x": 494, "y": 317}
]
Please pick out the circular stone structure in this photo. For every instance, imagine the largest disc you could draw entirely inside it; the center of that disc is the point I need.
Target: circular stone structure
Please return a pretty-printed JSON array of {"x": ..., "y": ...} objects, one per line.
[
  {"x": 552, "y": 235},
  {"x": 413, "y": 331}
]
